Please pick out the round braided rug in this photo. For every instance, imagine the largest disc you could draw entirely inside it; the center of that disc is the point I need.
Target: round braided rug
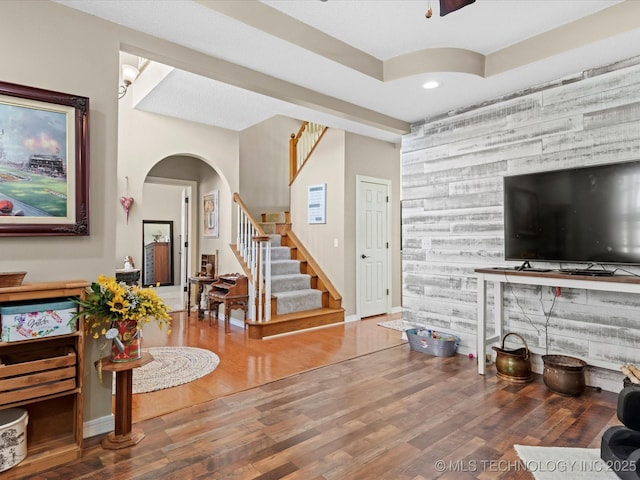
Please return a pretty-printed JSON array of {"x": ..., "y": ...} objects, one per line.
[{"x": 172, "y": 366}]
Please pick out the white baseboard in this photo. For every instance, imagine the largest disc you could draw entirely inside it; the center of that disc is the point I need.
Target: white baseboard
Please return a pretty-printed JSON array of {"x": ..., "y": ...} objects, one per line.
[
  {"x": 238, "y": 322},
  {"x": 351, "y": 318},
  {"x": 397, "y": 310},
  {"x": 98, "y": 426}
]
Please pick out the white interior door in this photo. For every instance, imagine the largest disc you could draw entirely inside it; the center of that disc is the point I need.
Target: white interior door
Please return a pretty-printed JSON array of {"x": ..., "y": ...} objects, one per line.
[{"x": 372, "y": 254}]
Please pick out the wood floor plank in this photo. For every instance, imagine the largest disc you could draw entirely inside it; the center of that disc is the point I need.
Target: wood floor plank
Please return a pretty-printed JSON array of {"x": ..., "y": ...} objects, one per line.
[
  {"x": 247, "y": 363},
  {"x": 364, "y": 414}
]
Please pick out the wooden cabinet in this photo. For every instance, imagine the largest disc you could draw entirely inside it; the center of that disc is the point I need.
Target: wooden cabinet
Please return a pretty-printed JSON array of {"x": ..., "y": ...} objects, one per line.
[
  {"x": 157, "y": 263},
  {"x": 205, "y": 259},
  {"x": 44, "y": 376}
]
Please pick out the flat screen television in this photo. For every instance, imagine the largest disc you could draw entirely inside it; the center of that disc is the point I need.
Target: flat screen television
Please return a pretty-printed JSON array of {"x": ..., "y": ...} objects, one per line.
[{"x": 578, "y": 215}]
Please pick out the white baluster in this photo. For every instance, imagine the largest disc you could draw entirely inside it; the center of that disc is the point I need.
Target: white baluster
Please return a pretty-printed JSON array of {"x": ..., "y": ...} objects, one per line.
[
  {"x": 252, "y": 302},
  {"x": 245, "y": 237},
  {"x": 254, "y": 285},
  {"x": 267, "y": 281},
  {"x": 301, "y": 155},
  {"x": 238, "y": 245},
  {"x": 260, "y": 283},
  {"x": 241, "y": 233}
]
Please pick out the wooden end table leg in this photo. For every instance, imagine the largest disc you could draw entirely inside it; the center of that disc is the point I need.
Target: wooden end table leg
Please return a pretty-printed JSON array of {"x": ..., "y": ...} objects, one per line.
[
  {"x": 123, "y": 437},
  {"x": 213, "y": 311},
  {"x": 199, "y": 299}
]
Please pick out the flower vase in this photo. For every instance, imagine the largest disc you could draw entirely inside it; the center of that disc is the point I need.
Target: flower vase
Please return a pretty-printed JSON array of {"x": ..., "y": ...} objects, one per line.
[{"x": 125, "y": 346}]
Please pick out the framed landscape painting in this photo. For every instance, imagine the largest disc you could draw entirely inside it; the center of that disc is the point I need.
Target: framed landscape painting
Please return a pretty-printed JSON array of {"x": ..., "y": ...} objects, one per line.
[{"x": 44, "y": 167}]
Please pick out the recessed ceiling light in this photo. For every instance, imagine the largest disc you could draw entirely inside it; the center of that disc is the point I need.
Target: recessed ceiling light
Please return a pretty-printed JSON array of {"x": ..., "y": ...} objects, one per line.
[{"x": 430, "y": 84}]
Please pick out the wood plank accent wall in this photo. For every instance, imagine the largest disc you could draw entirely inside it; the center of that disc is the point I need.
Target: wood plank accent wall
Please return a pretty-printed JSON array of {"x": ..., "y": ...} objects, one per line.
[{"x": 452, "y": 209}]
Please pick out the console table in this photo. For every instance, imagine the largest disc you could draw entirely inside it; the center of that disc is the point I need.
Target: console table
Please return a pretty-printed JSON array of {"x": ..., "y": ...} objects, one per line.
[
  {"x": 200, "y": 282},
  {"x": 500, "y": 276},
  {"x": 232, "y": 292}
]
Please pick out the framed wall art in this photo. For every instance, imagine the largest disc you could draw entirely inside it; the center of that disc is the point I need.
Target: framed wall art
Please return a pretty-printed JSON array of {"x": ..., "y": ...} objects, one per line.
[
  {"x": 210, "y": 214},
  {"x": 317, "y": 204},
  {"x": 44, "y": 165}
]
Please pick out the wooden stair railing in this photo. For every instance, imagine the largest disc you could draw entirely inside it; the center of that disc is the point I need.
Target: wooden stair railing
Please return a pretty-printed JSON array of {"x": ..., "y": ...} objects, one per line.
[
  {"x": 253, "y": 247},
  {"x": 301, "y": 146},
  {"x": 253, "y": 250}
]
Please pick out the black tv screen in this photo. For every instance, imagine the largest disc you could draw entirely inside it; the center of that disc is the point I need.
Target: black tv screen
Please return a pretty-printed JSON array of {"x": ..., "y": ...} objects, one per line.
[{"x": 581, "y": 215}]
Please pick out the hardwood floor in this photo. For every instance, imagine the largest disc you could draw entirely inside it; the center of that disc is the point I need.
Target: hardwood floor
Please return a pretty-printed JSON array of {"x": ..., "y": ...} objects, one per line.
[
  {"x": 247, "y": 363},
  {"x": 377, "y": 410}
]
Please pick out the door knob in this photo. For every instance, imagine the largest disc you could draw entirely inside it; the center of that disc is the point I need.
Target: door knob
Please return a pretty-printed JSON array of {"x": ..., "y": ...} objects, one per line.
[{"x": 365, "y": 256}]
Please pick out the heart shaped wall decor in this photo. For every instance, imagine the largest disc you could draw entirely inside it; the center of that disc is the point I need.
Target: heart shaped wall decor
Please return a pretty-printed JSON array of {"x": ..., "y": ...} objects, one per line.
[{"x": 126, "y": 203}]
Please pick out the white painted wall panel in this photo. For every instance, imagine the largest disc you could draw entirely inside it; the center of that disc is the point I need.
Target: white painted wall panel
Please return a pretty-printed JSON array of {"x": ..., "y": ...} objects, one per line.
[{"x": 452, "y": 219}]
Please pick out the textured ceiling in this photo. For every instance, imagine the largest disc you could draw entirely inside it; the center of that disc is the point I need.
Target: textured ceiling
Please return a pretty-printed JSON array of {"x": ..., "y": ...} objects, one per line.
[{"x": 360, "y": 64}]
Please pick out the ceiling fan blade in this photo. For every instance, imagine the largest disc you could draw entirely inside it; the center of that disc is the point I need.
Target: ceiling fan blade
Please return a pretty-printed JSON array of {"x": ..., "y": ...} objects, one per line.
[{"x": 448, "y": 6}]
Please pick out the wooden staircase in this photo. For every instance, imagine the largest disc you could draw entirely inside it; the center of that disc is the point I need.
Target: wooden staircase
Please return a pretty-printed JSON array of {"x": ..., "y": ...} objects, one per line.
[
  {"x": 272, "y": 281},
  {"x": 331, "y": 311}
]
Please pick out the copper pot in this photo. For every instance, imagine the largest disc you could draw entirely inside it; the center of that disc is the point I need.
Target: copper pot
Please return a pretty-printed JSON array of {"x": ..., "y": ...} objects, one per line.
[
  {"x": 513, "y": 365},
  {"x": 564, "y": 375}
]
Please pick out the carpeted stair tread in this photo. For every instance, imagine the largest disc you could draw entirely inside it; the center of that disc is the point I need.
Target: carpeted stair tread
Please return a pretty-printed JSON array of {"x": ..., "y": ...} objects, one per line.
[
  {"x": 287, "y": 283},
  {"x": 275, "y": 217},
  {"x": 298, "y": 300},
  {"x": 290, "y": 287},
  {"x": 276, "y": 240},
  {"x": 285, "y": 267},
  {"x": 268, "y": 227},
  {"x": 280, "y": 253}
]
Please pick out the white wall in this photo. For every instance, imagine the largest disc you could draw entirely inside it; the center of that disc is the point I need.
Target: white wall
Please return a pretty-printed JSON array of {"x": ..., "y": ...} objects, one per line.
[
  {"x": 325, "y": 166},
  {"x": 194, "y": 152},
  {"x": 264, "y": 170},
  {"x": 162, "y": 203},
  {"x": 79, "y": 54},
  {"x": 226, "y": 261},
  {"x": 336, "y": 161},
  {"x": 378, "y": 159},
  {"x": 53, "y": 47},
  {"x": 62, "y": 57},
  {"x": 453, "y": 210}
]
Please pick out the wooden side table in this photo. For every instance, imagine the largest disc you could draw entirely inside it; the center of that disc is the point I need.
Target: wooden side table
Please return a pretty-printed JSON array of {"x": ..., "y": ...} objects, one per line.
[
  {"x": 130, "y": 276},
  {"x": 123, "y": 436},
  {"x": 200, "y": 282},
  {"x": 230, "y": 303}
]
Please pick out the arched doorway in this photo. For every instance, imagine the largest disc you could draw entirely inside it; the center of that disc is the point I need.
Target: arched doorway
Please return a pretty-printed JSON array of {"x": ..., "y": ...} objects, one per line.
[{"x": 174, "y": 188}]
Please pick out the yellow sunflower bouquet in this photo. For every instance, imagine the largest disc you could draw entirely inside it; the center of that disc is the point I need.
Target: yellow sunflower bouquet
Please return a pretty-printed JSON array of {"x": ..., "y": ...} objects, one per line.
[{"x": 108, "y": 301}]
